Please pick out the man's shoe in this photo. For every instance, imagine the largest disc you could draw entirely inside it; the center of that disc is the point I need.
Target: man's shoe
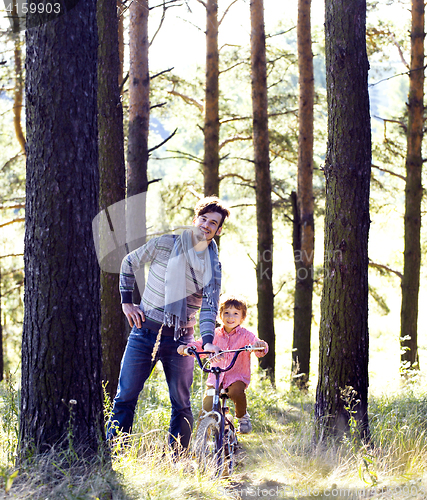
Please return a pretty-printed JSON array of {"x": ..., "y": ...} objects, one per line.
[{"x": 245, "y": 425}]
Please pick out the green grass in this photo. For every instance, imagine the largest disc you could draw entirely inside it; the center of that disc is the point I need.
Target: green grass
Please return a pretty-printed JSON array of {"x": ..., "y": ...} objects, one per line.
[{"x": 278, "y": 460}]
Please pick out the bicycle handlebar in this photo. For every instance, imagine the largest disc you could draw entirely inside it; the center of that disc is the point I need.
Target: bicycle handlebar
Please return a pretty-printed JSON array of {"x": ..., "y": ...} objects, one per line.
[{"x": 217, "y": 369}]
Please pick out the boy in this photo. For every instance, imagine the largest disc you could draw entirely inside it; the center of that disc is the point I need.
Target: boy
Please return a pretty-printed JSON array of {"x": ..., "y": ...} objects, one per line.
[{"x": 232, "y": 335}]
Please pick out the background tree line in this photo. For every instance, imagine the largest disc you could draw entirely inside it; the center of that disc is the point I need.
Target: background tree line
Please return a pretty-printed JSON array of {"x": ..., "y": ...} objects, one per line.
[{"x": 235, "y": 172}]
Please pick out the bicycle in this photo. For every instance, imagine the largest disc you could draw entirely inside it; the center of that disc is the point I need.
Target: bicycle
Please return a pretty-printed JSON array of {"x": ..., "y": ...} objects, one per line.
[{"x": 216, "y": 442}]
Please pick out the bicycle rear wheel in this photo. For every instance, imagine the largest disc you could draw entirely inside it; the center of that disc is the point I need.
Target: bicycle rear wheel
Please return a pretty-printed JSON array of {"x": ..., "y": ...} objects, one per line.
[{"x": 207, "y": 446}]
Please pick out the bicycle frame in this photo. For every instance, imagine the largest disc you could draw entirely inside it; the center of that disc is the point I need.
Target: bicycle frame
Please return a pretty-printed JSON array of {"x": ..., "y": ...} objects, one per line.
[{"x": 218, "y": 410}]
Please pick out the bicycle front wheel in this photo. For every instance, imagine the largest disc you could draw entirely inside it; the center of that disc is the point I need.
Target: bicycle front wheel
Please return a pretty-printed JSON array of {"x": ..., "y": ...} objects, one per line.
[
  {"x": 230, "y": 448},
  {"x": 207, "y": 446}
]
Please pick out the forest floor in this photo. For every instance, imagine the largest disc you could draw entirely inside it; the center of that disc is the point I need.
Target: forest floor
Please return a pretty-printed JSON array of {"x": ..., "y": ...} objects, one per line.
[{"x": 278, "y": 460}]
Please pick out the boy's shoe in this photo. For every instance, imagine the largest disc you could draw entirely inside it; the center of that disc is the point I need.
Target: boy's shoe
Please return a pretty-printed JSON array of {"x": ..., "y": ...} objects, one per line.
[{"x": 245, "y": 425}]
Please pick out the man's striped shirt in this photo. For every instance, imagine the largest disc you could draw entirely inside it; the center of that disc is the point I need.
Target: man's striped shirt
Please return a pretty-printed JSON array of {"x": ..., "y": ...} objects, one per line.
[{"x": 156, "y": 252}]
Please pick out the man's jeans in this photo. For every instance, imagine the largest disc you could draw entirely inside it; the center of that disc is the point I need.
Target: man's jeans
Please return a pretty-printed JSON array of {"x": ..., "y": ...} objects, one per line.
[{"x": 136, "y": 368}]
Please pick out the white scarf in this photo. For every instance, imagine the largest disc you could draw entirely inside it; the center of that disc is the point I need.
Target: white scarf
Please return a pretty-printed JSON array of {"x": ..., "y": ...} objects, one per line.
[{"x": 176, "y": 292}]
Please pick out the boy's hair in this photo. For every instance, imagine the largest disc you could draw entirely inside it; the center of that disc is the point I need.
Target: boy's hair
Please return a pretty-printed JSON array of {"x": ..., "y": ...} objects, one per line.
[
  {"x": 233, "y": 301},
  {"x": 211, "y": 204}
]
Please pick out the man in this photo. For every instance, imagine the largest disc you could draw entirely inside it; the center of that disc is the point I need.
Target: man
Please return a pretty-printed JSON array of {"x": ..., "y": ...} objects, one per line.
[{"x": 184, "y": 276}]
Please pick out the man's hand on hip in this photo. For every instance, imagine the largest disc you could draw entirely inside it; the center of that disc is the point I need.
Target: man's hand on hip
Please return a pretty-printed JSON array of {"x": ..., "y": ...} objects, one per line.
[{"x": 133, "y": 314}]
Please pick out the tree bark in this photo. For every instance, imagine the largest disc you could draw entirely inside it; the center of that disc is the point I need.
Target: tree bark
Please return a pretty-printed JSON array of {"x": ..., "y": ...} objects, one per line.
[
  {"x": 139, "y": 99},
  {"x": 304, "y": 206},
  {"x": 139, "y": 121},
  {"x": 19, "y": 81},
  {"x": 120, "y": 27},
  {"x": 1, "y": 336},
  {"x": 343, "y": 350},
  {"x": 61, "y": 403},
  {"x": 211, "y": 125},
  {"x": 413, "y": 194},
  {"x": 263, "y": 187},
  {"x": 112, "y": 182}
]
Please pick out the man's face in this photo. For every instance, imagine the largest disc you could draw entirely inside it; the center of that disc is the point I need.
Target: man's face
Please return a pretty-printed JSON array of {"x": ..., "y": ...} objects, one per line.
[{"x": 208, "y": 225}]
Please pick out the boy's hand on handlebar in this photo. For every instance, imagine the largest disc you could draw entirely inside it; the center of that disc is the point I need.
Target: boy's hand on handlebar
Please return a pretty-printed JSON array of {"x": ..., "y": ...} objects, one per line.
[{"x": 261, "y": 343}]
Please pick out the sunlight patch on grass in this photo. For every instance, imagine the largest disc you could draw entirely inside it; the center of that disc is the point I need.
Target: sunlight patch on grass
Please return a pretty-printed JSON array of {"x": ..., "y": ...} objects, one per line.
[{"x": 155, "y": 473}]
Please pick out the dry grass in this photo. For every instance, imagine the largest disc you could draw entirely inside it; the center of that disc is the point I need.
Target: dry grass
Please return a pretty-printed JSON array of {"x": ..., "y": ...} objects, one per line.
[{"x": 278, "y": 460}]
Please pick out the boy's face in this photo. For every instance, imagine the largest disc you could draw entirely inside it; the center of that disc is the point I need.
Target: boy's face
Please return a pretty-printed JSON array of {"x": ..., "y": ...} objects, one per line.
[
  {"x": 231, "y": 318},
  {"x": 208, "y": 224}
]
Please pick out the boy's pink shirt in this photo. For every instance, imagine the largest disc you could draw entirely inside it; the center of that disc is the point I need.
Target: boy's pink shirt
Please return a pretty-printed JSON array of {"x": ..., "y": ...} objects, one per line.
[{"x": 238, "y": 337}]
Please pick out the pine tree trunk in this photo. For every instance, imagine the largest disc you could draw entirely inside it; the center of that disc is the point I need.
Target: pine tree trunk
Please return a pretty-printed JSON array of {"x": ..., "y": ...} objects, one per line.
[
  {"x": 413, "y": 193},
  {"x": 263, "y": 187},
  {"x": 139, "y": 121},
  {"x": 62, "y": 403},
  {"x": 112, "y": 183},
  {"x": 19, "y": 81},
  {"x": 1, "y": 337},
  {"x": 211, "y": 126},
  {"x": 343, "y": 350},
  {"x": 304, "y": 206},
  {"x": 120, "y": 10},
  {"x": 139, "y": 99}
]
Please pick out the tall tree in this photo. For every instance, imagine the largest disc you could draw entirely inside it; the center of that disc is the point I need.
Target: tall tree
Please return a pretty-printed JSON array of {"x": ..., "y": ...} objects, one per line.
[
  {"x": 121, "y": 17},
  {"x": 61, "y": 346},
  {"x": 19, "y": 80},
  {"x": 1, "y": 335},
  {"x": 139, "y": 121},
  {"x": 413, "y": 193},
  {"x": 303, "y": 241},
  {"x": 343, "y": 352},
  {"x": 112, "y": 181},
  {"x": 139, "y": 101},
  {"x": 262, "y": 186},
  {"x": 211, "y": 125}
]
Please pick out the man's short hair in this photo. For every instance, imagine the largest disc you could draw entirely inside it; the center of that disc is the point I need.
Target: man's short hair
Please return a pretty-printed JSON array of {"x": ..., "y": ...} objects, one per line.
[
  {"x": 235, "y": 301},
  {"x": 212, "y": 204}
]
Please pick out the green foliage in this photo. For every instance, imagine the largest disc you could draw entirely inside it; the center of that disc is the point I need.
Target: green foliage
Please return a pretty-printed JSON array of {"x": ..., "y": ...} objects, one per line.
[{"x": 9, "y": 415}]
